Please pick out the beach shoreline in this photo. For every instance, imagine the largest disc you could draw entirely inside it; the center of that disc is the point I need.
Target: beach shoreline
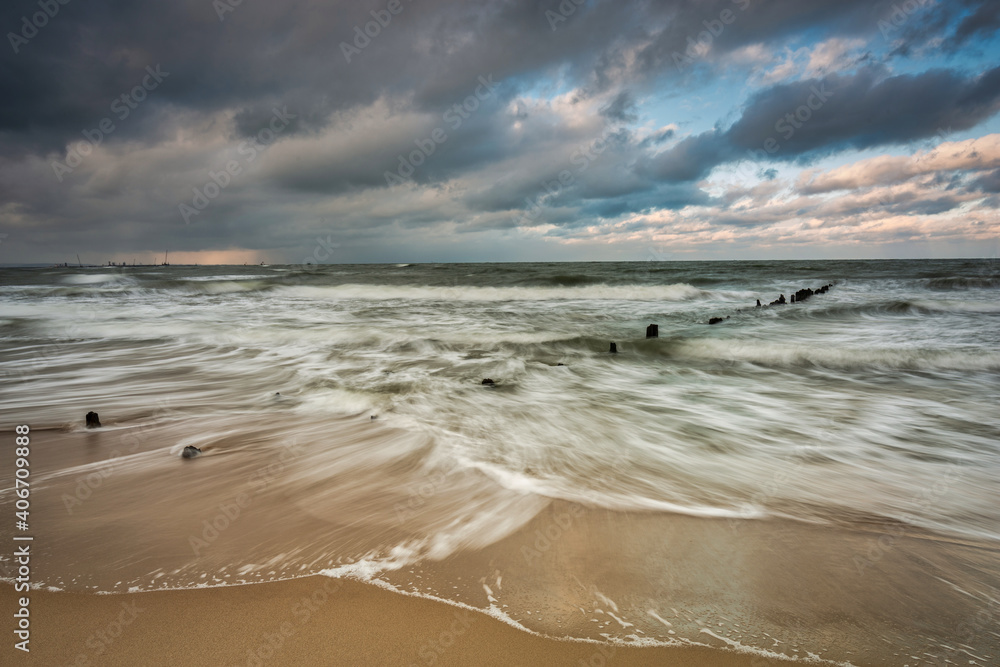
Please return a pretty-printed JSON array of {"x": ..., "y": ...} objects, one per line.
[
  {"x": 575, "y": 584},
  {"x": 811, "y": 484},
  {"x": 314, "y": 620}
]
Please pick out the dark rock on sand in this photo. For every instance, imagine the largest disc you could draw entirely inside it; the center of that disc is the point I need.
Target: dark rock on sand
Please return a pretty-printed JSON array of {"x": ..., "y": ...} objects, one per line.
[
  {"x": 93, "y": 421},
  {"x": 653, "y": 331},
  {"x": 190, "y": 452}
]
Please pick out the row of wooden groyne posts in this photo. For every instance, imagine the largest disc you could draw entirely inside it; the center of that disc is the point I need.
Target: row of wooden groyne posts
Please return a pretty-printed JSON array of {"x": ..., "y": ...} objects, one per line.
[{"x": 653, "y": 330}]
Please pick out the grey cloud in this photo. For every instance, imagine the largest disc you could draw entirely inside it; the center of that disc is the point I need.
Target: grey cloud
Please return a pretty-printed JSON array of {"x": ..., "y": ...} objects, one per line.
[
  {"x": 989, "y": 182},
  {"x": 983, "y": 21},
  {"x": 808, "y": 119},
  {"x": 226, "y": 76},
  {"x": 621, "y": 109},
  {"x": 657, "y": 138},
  {"x": 292, "y": 53}
]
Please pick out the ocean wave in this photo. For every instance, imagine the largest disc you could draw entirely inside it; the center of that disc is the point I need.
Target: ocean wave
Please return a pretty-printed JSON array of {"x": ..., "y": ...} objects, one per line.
[
  {"x": 676, "y": 292},
  {"x": 955, "y": 306},
  {"x": 790, "y": 355},
  {"x": 563, "y": 280},
  {"x": 963, "y": 282},
  {"x": 226, "y": 286},
  {"x": 826, "y": 310},
  {"x": 367, "y": 571},
  {"x": 93, "y": 278},
  {"x": 233, "y": 277}
]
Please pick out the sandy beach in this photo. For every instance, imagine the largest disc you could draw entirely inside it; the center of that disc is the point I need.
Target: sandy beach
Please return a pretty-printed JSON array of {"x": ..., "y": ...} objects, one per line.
[
  {"x": 500, "y": 332},
  {"x": 788, "y": 488},
  {"x": 309, "y": 621}
]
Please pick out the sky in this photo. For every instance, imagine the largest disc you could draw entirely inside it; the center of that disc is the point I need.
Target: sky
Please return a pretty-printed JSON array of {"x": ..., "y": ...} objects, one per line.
[{"x": 232, "y": 131}]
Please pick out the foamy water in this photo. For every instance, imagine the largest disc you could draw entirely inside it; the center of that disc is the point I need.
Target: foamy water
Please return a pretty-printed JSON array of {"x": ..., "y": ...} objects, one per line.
[{"x": 874, "y": 404}]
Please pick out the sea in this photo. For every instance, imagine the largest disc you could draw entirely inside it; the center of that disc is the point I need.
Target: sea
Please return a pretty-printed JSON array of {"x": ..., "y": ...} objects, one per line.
[{"x": 817, "y": 480}]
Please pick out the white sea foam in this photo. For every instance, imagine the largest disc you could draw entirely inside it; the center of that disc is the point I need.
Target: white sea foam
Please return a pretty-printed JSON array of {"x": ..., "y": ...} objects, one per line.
[
  {"x": 367, "y": 572},
  {"x": 853, "y": 404},
  {"x": 792, "y": 354},
  {"x": 91, "y": 278},
  {"x": 375, "y": 293}
]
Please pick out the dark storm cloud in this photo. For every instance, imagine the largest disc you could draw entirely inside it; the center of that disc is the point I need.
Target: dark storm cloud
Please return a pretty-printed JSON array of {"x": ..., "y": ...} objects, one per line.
[
  {"x": 361, "y": 102},
  {"x": 302, "y": 54},
  {"x": 982, "y": 21},
  {"x": 864, "y": 110},
  {"x": 622, "y": 108},
  {"x": 66, "y": 76},
  {"x": 989, "y": 182},
  {"x": 670, "y": 197},
  {"x": 567, "y": 172},
  {"x": 261, "y": 54},
  {"x": 657, "y": 138},
  {"x": 725, "y": 25},
  {"x": 817, "y": 117}
]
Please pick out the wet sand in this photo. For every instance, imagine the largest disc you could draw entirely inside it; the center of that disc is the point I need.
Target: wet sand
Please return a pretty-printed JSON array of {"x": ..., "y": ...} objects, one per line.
[
  {"x": 117, "y": 510},
  {"x": 309, "y": 621}
]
